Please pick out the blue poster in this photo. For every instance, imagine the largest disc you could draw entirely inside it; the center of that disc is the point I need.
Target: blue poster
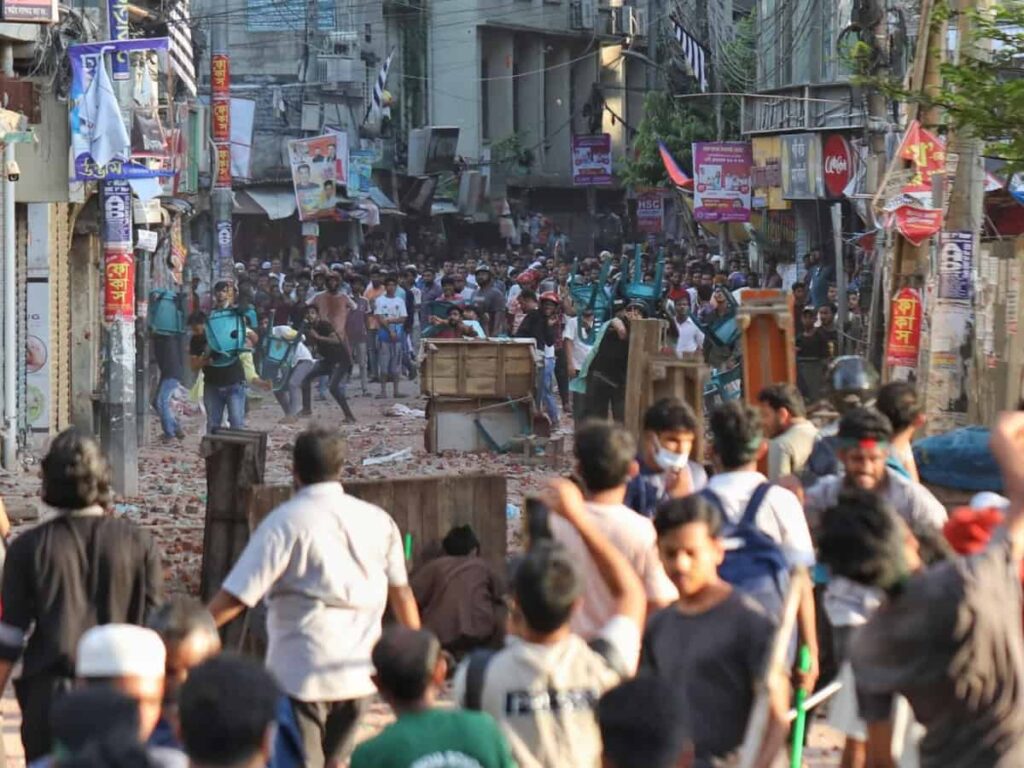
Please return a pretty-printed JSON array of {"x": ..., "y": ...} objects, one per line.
[
  {"x": 116, "y": 197},
  {"x": 93, "y": 117},
  {"x": 360, "y": 171}
]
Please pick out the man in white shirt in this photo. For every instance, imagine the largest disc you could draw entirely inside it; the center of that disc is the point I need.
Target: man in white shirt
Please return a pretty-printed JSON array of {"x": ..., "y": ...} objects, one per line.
[
  {"x": 328, "y": 565},
  {"x": 543, "y": 687},
  {"x": 738, "y": 443},
  {"x": 605, "y": 461},
  {"x": 391, "y": 313},
  {"x": 690, "y": 339}
]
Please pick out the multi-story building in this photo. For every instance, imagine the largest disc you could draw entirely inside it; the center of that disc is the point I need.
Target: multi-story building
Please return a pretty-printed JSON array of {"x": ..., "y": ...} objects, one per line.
[
  {"x": 520, "y": 78},
  {"x": 298, "y": 69}
]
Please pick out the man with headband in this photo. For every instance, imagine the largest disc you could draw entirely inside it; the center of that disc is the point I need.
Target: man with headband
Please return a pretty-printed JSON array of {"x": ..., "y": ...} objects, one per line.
[{"x": 863, "y": 443}]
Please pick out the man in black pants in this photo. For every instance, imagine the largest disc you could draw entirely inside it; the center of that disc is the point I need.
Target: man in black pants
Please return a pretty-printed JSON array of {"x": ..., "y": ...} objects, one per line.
[
  {"x": 335, "y": 362},
  {"x": 606, "y": 378}
]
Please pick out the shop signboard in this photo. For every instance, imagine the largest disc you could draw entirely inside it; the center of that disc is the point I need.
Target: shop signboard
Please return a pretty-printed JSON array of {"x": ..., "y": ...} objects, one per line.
[
  {"x": 836, "y": 165},
  {"x": 650, "y": 211},
  {"x": 801, "y": 166}
]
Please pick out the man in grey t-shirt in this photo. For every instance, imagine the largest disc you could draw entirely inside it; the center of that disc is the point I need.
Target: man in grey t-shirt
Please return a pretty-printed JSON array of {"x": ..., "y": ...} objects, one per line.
[{"x": 949, "y": 638}]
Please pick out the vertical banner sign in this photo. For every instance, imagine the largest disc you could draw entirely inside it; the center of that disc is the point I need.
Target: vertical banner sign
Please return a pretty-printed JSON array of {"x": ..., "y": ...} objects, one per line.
[
  {"x": 360, "y": 172},
  {"x": 956, "y": 265},
  {"x": 118, "y": 261},
  {"x": 905, "y": 331},
  {"x": 224, "y": 240},
  {"x": 722, "y": 189},
  {"x": 120, "y": 65},
  {"x": 592, "y": 160},
  {"x": 220, "y": 116},
  {"x": 650, "y": 212}
]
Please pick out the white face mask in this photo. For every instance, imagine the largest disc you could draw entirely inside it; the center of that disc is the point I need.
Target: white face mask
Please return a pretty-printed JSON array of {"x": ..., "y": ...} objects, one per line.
[{"x": 667, "y": 460}]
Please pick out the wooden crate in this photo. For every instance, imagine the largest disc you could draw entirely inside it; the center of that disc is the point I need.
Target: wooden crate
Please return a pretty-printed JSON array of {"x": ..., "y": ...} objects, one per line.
[
  {"x": 654, "y": 374},
  {"x": 477, "y": 368},
  {"x": 452, "y": 423},
  {"x": 426, "y": 507}
]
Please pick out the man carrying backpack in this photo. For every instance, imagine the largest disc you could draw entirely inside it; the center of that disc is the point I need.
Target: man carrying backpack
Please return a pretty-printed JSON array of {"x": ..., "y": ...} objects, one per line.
[{"x": 767, "y": 519}]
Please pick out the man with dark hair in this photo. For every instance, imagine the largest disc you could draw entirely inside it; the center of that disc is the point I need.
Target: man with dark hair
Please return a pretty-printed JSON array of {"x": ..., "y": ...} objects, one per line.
[
  {"x": 190, "y": 637},
  {"x": 223, "y": 375},
  {"x": 227, "y": 714},
  {"x": 410, "y": 673},
  {"x": 643, "y": 725},
  {"x": 544, "y": 686},
  {"x": 666, "y": 470},
  {"x": 713, "y": 644},
  {"x": 742, "y": 493},
  {"x": 947, "y": 637},
  {"x": 792, "y": 435},
  {"x": 390, "y": 313},
  {"x": 605, "y": 463},
  {"x": 460, "y": 597},
  {"x": 863, "y": 449},
  {"x": 309, "y": 557},
  {"x": 901, "y": 405},
  {"x": 63, "y": 575}
]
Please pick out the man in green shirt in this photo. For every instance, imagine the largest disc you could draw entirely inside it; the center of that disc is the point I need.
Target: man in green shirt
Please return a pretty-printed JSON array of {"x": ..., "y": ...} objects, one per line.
[{"x": 410, "y": 672}]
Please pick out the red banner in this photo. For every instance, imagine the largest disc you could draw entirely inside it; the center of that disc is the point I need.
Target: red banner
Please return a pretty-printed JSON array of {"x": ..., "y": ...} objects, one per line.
[
  {"x": 927, "y": 154},
  {"x": 905, "y": 329},
  {"x": 118, "y": 285},
  {"x": 917, "y": 224},
  {"x": 221, "y": 121},
  {"x": 220, "y": 76},
  {"x": 223, "y": 166}
]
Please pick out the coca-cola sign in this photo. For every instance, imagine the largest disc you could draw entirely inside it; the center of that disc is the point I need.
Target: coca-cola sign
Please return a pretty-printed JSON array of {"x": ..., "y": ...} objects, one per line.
[{"x": 837, "y": 164}]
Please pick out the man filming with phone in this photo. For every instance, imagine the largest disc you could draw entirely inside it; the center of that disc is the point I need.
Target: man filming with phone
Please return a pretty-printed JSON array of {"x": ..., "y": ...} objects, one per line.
[{"x": 543, "y": 687}]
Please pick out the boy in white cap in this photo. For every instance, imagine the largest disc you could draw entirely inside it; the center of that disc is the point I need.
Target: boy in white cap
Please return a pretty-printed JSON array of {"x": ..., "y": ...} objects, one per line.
[{"x": 131, "y": 660}]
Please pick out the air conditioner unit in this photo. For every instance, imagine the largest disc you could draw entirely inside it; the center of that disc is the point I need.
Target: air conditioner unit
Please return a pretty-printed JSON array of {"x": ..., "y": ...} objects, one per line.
[
  {"x": 582, "y": 13},
  {"x": 336, "y": 72},
  {"x": 620, "y": 21},
  {"x": 637, "y": 22}
]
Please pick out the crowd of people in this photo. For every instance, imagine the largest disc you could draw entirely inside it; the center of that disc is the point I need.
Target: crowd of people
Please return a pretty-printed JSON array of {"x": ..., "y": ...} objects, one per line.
[
  {"x": 640, "y": 627},
  {"x": 345, "y": 323}
]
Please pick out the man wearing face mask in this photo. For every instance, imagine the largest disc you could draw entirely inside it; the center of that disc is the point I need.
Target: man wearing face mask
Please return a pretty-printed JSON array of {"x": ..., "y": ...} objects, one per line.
[{"x": 666, "y": 471}]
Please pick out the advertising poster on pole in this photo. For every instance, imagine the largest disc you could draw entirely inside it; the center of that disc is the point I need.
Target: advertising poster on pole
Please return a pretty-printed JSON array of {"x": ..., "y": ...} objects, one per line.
[
  {"x": 592, "y": 160},
  {"x": 317, "y": 173},
  {"x": 723, "y": 184},
  {"x": 949, "y": 361},
  {"x": 904, "y": 341},
  {"x": 37, "y": 354},
  {"x": 956, "y": 265}
]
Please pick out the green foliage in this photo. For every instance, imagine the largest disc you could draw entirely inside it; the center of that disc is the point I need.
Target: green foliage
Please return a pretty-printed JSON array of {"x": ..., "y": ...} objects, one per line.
[
  {"x": 983, "y": 92},
  {"x": 510, "y": 154}
]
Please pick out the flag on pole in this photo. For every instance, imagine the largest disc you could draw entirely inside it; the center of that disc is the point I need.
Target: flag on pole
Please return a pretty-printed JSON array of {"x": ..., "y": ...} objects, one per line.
[
  {"x": 675, "y": 173},
  {"x": 179, "y": 30},
  {"x": 377, "y": 105},
  {"x": 694, "y": 54},
  {"x": 108, "y": 137}
]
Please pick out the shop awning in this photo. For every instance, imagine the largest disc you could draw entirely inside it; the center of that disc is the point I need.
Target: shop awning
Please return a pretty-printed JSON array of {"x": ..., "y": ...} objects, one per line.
[
  {"x": 443, "y": 208},
  {"x": 273, "y": 203},
  {"x": 384, "y": 203}
]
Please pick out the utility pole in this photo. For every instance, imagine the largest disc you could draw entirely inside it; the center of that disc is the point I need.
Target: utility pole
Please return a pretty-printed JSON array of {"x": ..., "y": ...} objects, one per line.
[
  {"x": 877, "y": 124},
  {"x": 11, "y": 351},
  {"x": 220, "y": 116},
  {"x": 118, "y": 434}
]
